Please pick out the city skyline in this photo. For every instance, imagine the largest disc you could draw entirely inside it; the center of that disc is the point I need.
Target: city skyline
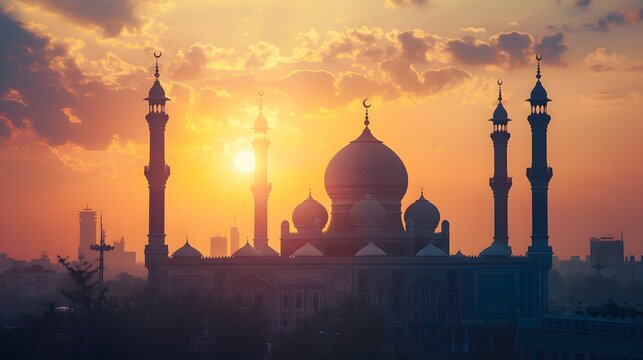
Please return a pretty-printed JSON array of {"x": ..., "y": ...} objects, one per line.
[{"x": 93, "y": 153}]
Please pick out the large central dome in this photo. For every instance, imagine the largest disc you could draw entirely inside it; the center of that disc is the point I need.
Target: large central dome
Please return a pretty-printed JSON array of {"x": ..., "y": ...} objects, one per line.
[{"x": 364, "y": 166}]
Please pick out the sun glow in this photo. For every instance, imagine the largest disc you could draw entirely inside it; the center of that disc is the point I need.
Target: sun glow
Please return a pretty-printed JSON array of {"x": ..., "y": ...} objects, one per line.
[{"x": 245, "y": 161}]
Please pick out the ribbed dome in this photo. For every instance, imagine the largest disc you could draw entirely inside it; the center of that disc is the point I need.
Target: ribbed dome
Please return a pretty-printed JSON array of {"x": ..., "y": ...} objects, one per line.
[
  {"x": 187, "y": 251},
  {"x": 246, "y": 250},
  {"x": 370, "y": 250},
  {"x": 367, "y": 211},
  {"x": 495, "y": 250},
  {"x": 307, "y": 212},
  {"x": 307, "y": 250},
  {"x": 423, "y": 213},
  {"x": 430, "y": 250},
  {"x": 366, "y": 163}
]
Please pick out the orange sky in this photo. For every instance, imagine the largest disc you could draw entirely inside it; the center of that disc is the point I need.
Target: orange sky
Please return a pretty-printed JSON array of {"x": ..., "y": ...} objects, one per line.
[{"x": 72, "y": 127}]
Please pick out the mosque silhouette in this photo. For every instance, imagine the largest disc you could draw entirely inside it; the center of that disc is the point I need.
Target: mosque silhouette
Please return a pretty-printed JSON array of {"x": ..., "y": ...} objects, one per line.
[{"x": 432, "y": 300}]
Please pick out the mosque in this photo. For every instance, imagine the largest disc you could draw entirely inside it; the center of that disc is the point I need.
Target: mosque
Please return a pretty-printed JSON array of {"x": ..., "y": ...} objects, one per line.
[{"x": 397, "y": 261}]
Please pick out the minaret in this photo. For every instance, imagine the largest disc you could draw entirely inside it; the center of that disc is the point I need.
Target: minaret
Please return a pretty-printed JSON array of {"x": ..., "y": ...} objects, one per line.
[
  {"x": 539, "y": 175},
  {"x": 261, "y": 187},
  {"x": 500, "y": 183},
  {"x": 156, "y": 173}
]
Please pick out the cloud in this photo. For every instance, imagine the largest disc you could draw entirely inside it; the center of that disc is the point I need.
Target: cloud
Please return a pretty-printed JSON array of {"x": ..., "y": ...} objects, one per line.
[
  {"x": 399, "y": 3},
  {"x": 415, "y": 44},
  {"x": 64, "y": 105},
  {"x": 429, "y": 82},
  {"x": 610, "y": 20},
  {"x": 351, "y": 43},
  {"x": 111, "y": 16},
  {"x": 508, "y": 50},
  {"x": 582, "y": 3},
  {"x": 603, "y": 61},
  {"x": 200, "y": 57},
  {"x": 552, "y": 48},
  {"x": 475, "y": 30},
  {"x": 472, "y": 51},
  {"x": 262, "y": 55}
]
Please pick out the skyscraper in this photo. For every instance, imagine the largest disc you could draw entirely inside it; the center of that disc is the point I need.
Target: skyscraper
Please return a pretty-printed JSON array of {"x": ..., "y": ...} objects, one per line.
[
  {"x": 218, "y": 246},
  {"x": 87, "y": 233},
  {"x": 234, "y": 237}
]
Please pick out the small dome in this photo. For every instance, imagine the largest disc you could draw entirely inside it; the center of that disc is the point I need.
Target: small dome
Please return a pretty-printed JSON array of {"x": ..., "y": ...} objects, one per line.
[
  {"x": 500, "y": 113},
  {"x": 261, "y": 124},
  {"x": 423, "y": 213},
  {"x": 246, "y": 250},
  {"x": 187, "y": 251},
  {"x": 430, "y": 250},
  {"x": 459, "y": 254},
  {"x": 538, "y": 94},
  {"x": 370, "y": 250},
  {"x": 156, "y": 91},
  {"x": 307, "y": 250},
  {"x": 307, "y": 212},
  {"x": 367, "y": 211},
  {"x": 495, "y": 250}
]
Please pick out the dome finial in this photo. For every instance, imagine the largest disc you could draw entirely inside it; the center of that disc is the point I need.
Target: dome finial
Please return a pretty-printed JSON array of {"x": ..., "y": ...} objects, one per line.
[
  {"x": 366, "y": 106},
  {"x": 260, "y": 93},
  {"x": 156, "y": 72},
  {"x": 499, "y": 90},
  {"x": 422, "y": 191},
  {"x": 538, "y": 58},
  {"x": 187, "y": 239},
  {"x": 310, "y": 192}
]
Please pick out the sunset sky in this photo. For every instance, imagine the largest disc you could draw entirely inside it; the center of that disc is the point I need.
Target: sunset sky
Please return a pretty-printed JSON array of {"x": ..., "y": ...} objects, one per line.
[{"x": 72, "y": 129}]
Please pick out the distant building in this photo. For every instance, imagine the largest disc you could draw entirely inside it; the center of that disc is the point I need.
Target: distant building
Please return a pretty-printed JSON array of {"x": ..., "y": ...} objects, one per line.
[
  {"x": 607, "y": 253},
  {"x": 119, "y": 260},
  {"x": 234, "y": 239},
  {"x": 87, "y": 233},
  {"x": 218, "y": 246}
]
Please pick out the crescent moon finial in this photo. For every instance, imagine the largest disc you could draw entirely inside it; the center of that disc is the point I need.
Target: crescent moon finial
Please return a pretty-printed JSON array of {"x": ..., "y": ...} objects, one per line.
[
  {"x": 366, "y": 106},
  {"x": 499, "y": 82},
  {"x": 159, "y": 55},
  {"x": 539, "y": 57}
]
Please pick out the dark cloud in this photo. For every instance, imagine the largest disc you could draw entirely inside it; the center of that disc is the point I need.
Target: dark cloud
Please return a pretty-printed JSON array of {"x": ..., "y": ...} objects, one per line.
[
  {"x": 429, "y": 82},
  {"x": 509, "y": 50},
  {"x": 57, "y": 102},
  {"x": 515, "y": 47},
  {"x": 470, "y": 51},
  {"x": 111, "y": 16},
  {"x": 582, "y": 3},
  {"x": 610, "y": 21},
  {"x": 552, "y": 48},
  {"x": 414, "y": 45},
  {"x": 5, "y": 129}
]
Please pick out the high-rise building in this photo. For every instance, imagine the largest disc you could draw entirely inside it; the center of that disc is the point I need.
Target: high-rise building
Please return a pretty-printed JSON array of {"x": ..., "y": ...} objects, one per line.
[
  {"x": 606, "y": 252},
  {"x": 234, "y": 236},
  {"x": 87, "y": 236},
  {"x": 218, "y": 246}
]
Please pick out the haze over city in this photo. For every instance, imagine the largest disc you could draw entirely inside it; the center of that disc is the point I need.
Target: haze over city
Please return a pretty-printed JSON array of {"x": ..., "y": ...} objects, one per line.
[{"x": 73, "y": 130}]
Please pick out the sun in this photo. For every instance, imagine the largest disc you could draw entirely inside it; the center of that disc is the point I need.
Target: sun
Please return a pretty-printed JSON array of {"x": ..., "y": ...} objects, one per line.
[{"x": 245, "y": 161}]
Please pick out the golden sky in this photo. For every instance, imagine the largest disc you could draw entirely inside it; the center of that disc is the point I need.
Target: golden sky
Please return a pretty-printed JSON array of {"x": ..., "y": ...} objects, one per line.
[{"x": 73, "y": 133}]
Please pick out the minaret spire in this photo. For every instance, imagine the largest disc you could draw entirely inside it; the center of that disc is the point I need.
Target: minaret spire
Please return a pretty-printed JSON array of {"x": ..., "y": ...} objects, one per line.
[
  {"x": 539, "y": 175},
  {"x": 500, "y": 183},
  {"x": 261, "y": 187},
  {"x": 157, "y": 173}
]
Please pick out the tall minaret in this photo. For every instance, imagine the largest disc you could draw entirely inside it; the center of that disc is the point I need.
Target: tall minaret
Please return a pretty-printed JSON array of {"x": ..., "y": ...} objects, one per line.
[
  {"x": 539, "y": 175},
  {"x": 261, "y": 187},
  {"x": 500, "y": 183},
  {"x": 156, "y": 173}
]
